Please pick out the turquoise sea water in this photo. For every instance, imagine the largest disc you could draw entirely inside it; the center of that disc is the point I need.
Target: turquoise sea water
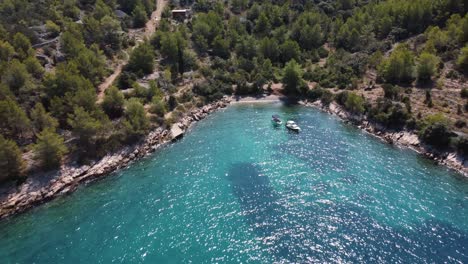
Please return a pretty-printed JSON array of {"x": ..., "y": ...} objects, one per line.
[{"x": 236, "y": 189}]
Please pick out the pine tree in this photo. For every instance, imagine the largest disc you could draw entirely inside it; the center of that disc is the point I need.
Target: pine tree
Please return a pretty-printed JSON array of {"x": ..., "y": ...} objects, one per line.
[
  {"x": 462, "y": 61},
  {"x": 398, "y": 67},
  {"x": 41, "y": 119},
  {"x": 139, "y": 15},
  {"x": 290, "y": 50},
  {"x": 16, "y": 77},
  {"x": 170, "y": 46},
  {"x": 13, "y": 120},
  {"x": 269, "y": 49},
  {"x": 292, "y": 78},
  {"x": 11, "y": 163},
  {"x": 88, "y": 128},
  {"x": 22, "y": 46},
  {"x": 6, "y": 51},
  {"x": 34, "y": 67},
  {"x": 136, "y": 122},
  {"x": 221, "y": 47},
  {"x": 311, "y": 37},
  {"x": 427, "y": 66},
  {"x": 262, "y": 26},
  {"x": 113, "y": 103},
  {"x": 142, "y": 60},
  {"x": 158, "y": 107},
  {"x": 49, "y": 149}
]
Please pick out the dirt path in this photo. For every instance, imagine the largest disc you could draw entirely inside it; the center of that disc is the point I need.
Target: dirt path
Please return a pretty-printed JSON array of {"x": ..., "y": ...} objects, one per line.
[
  {"x": 155, "y": 18},
  {"x": 150, "y": 28},
  {"x": 109, "y": 80}
]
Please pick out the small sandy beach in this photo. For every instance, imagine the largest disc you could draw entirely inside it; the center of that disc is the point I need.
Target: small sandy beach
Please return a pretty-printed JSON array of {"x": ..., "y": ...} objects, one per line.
[{"x": 257, "y": 99}]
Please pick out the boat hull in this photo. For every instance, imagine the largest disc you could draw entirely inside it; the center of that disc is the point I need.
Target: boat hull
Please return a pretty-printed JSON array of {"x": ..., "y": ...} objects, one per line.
[
  {"x": 276, "y": 123},
  {"x": 295, "y": 129}
]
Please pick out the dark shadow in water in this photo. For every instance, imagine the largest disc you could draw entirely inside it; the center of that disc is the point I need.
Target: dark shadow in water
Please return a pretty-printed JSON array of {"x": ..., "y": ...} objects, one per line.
[
  {"x": 256, "y": 196},
  {"x": 341, "y": 231},
  {"x": 263, "y": 211}
]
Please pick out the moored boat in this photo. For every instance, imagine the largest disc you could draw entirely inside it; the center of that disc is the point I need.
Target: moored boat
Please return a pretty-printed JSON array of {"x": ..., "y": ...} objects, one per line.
[
  {"x": 275, "y": 119},
  {"x": 293, "y": 126}
]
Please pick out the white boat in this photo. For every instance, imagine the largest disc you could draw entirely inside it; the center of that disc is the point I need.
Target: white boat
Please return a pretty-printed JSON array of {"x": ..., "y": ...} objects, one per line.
[
  {"x": 293, "y": 126},
  {"x": 276, "y": 120}
]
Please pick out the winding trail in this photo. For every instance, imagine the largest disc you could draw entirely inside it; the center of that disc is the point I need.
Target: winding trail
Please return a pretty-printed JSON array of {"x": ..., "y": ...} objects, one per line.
[{"x": 150, "y": 28}]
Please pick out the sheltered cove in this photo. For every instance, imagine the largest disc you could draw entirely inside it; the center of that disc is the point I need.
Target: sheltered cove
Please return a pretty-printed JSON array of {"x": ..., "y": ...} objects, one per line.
[{"x": 25, "y": 197}]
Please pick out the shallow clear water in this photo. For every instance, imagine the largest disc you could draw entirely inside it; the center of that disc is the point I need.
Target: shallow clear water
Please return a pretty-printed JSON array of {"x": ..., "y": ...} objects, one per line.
[{"x": 236, "y": 189}]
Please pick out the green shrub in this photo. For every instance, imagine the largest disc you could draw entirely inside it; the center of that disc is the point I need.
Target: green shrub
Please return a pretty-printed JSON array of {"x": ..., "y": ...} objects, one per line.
[
  {"x": 326, "y": 97},
  {"x": 462, "y": 61},
  {"x": 11, "y": 163},
  {"x": 212, "y": 90},
  {"x": 52, "y": 28},
  {"x": 315, "y": 94},
  {"x": 427, "y": 66},
  {"x": 41, "y": 119},
  {"x": 113, "y": 103},
  {"x": 436, "y": 134},
  {"x": 398, "y": 67},
  {"x": 390, "y": 114},
  {"x": 342, "y": 97},
  {"x": 460, "y": 123},
  {"x": 126, "y": 79},
  {"x": 158, "y": 107},
  {"x": 136, "y": 122},
  {"x": 49, "y": 149},
  {"x": 464, "y": 93},
  {"x": 434, "y": 130},
  {"x": 355, "y": 103},
  {"x": 462, "y": 145},
  {"x": 428, "y": 100},
  {"x": 322, "y": 52},
  {"x": 390, "y": 91}
]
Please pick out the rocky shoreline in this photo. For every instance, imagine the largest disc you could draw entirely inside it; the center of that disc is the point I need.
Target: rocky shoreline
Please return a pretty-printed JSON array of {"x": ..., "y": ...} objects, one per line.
[
  {"x": 34, "y": 191},
  {"x": 400, "y": 138}
]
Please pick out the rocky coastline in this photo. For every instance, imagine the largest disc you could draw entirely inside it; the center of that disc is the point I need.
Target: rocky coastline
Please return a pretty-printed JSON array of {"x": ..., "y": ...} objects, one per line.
[
  {"x": 399, "y": 138},
  {"x": 34, "y": 192},
  {"x": 18, "y": 199}
]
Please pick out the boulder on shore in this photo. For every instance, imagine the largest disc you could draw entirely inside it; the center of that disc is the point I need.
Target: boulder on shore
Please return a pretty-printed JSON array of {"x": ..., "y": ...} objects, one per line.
[{"x": 176, "y": 132}]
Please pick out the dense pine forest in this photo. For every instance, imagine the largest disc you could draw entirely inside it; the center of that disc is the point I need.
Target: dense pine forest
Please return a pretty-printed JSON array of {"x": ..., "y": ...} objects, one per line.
[{"x": 402, "y": 63}]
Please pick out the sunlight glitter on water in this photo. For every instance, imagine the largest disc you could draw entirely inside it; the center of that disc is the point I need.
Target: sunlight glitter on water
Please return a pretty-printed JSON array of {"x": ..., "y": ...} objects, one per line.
[{"x": 236, "y": 189}]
